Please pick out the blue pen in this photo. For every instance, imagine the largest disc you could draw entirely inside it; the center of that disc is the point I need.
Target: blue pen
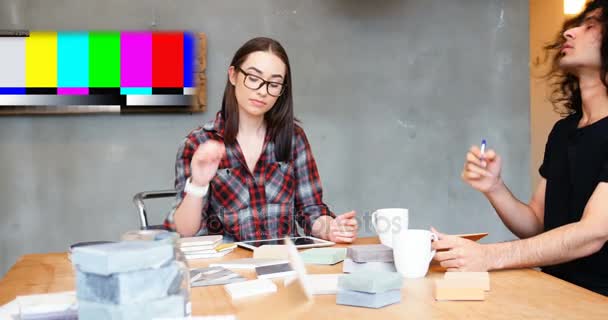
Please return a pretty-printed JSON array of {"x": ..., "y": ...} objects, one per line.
[{"x": 483, "y": 150}]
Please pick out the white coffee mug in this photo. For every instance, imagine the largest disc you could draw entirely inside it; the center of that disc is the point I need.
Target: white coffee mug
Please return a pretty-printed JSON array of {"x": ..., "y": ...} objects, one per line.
[
  {"x": 412, "y": 252},
  {"x": 388, "y": 222}
]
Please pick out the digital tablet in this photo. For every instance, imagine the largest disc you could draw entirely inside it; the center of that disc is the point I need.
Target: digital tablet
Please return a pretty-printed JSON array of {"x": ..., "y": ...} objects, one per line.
[{"x": 300, "y": 242}]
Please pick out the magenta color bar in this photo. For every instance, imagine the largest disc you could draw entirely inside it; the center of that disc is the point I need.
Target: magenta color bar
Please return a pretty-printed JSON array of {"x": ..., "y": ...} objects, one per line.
[
  {"x": 135, "y": 59},
  {"x": 73, "y": 91}
]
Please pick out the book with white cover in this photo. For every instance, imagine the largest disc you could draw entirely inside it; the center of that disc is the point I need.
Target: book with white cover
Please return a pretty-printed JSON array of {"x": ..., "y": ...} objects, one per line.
[
  {"x": 205, "y": 255},
  {"x": 200, "y": 249},
  {"x": 200, "y": 241}
]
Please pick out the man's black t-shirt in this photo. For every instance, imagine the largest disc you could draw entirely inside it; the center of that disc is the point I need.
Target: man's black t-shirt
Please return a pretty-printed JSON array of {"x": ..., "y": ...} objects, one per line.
[{"x": 575, "y": 162}]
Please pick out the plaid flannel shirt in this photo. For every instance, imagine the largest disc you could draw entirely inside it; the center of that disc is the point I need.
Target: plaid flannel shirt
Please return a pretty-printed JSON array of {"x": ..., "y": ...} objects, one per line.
[{"x": 264, "y": 204}]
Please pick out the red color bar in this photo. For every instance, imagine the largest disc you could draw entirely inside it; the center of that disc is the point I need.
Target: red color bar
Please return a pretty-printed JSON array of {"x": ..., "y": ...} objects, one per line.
[{"x": 167, "y": 60}]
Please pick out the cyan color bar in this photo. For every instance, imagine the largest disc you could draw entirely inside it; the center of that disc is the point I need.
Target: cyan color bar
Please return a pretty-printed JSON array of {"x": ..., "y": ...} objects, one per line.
[
  {"x": 72, "y": 59},
  {"x": 141, "y": 91}
]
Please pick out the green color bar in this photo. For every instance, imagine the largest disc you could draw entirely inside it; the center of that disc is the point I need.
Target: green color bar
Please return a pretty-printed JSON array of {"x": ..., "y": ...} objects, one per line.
[{"x": 104, "y": 59}]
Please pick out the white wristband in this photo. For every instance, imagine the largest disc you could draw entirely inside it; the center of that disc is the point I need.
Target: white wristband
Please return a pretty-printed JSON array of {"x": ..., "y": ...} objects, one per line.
[{"x": 195, "y": 191}]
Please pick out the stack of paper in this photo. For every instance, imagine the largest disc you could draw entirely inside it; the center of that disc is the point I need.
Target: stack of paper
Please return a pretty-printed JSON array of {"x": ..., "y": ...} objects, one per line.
[{"x": 204, "y": 247}]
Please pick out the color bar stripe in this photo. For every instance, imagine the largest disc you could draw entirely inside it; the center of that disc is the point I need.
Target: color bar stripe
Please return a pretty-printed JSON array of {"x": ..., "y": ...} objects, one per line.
[
  {"x": 12, "y": 90},
  {"x": 105, "y": 91},
  {"x": 40, "y": 90},
  {"x": 104, "y": 59},
  {"x": 167, "y": 59},
  {"x": 189, "y": 59},
  {"x": 139, "y": 91},
  {"x": 45, "y": 100},
  {"x": 72, "y": 59},
  {"x": 159, "y": 100},
  {"x": 136, "y": 59},
  {"x": 12, "y": 62},
  {"x": 179, "y": 91},
  {"x": 41, "y": 59},
  {"x": 73, "y": 91}
]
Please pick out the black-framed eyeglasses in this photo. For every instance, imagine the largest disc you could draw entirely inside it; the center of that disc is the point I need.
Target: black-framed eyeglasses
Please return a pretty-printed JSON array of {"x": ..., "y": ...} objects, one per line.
[{"x": 254, "y": 82}]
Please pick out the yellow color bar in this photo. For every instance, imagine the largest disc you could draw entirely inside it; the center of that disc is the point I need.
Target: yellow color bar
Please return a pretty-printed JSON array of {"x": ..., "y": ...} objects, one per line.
[{"x": 41, "y": 60}]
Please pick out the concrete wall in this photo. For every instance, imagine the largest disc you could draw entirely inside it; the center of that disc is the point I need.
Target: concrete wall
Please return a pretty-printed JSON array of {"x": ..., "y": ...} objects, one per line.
[{"x": 391, "y": 94}]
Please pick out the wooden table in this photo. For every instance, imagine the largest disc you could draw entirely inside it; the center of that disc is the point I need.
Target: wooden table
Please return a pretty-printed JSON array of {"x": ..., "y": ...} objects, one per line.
[{"x": 515, "y": 294}]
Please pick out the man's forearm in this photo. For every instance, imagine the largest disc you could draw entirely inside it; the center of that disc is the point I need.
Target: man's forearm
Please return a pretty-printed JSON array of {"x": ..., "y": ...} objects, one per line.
[
  {"x": 566, "y": 243},
  {"x": 516, "y": 215}
]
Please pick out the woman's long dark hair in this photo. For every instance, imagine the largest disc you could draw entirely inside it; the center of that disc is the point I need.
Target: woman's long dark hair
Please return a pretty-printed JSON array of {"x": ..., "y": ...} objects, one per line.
[
  {"x": 566, "y": 93},
  {"x": 279, "y": 120}
]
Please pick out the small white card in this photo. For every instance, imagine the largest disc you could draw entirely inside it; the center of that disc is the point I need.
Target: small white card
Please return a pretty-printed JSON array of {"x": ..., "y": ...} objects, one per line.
[{"x": 250, "y": 288}]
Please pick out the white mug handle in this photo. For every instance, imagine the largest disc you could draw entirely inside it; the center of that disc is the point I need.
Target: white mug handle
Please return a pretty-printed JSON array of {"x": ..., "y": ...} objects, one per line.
[{"x": 433, "y": 238}]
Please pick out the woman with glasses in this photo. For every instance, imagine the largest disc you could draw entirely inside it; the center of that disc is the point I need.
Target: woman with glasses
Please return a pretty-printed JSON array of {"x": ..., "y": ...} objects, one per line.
[{"x": 250, "y": 174}]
